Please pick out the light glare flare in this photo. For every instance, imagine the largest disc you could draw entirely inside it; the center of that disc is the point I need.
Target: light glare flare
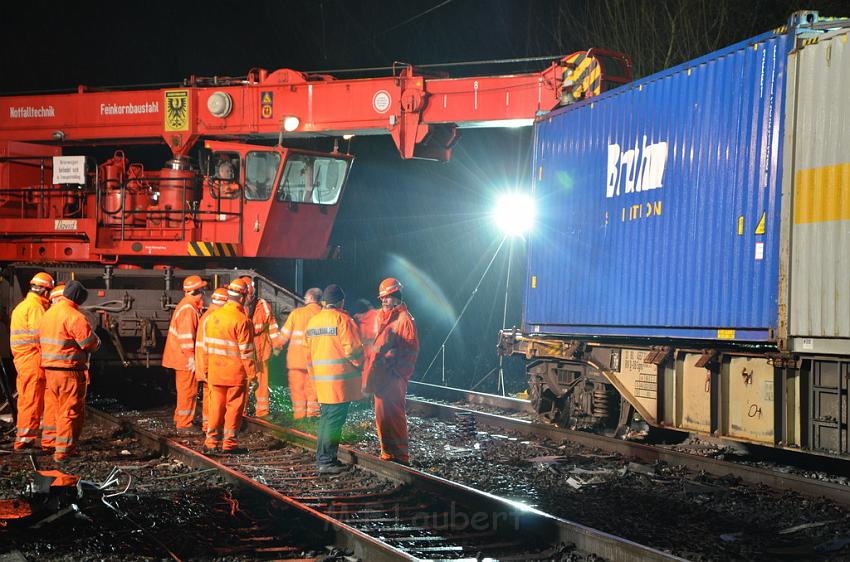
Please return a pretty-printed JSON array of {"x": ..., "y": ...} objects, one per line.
[{"x": 515, "y": 213}]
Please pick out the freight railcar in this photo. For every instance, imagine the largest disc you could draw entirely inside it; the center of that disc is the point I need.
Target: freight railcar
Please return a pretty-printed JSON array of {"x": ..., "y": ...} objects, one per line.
[{"x": 692, "y": 258}]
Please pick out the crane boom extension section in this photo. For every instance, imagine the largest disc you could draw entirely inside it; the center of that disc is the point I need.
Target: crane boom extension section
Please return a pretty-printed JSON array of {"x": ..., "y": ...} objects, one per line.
[{"x": 220, "y": 195}]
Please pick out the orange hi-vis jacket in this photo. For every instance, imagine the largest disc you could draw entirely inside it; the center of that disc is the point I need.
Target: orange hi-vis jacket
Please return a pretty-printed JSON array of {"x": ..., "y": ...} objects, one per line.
[
  {"x": 293, "y": 334},
  {"x": 180, "y": 343},
  {"x": 397, "y": 342},
  {"x": 66, "y": 337},
  {"x": 23, "y": 331},
  {"x": 200, "y": 351},
  {"x": 368, "y": 324},
  {"x": 229, "y": 346},
  {"x": 266, "y": 330},
  {"x": 334, "y": 355}
]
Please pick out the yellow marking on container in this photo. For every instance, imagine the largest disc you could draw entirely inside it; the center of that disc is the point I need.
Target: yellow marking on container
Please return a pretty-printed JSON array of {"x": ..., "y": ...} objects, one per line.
[
  {"x": 689, "y": 71},
  {"x": 761, "y": 224},
  {"x": 740, "y": 225},
  {"x": 822, "y": 194},
  {"x": 726, "y": 334},
  {"x": 533, "y": 281}
]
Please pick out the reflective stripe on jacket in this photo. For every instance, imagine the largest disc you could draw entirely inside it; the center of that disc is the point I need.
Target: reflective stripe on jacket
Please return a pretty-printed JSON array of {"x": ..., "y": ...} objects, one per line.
[
  {"x": 397, "y": 342},
  {"x": 334, "y": 355},
  {"x": 266, "y": 330},
  {"x": 23, "y": 331},
  {"x": 180, "y": 343},
  {"x": 293, "y": 334},
  {"x": 66, "y": 338},
  {"x": 200, "y": 351},
  {"x": 229, "y": 346}
]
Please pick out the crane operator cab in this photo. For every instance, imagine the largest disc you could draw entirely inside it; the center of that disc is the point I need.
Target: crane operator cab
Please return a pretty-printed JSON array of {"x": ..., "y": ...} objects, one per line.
[{"x": 281, "y": 201}]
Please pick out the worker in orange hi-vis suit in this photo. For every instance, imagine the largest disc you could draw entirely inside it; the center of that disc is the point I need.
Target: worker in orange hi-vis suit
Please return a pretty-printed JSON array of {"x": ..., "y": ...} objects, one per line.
[
  {"x": 57, "y": 293},
  {"x": 48, "y": 423},
  {"x": 179, "y": 351},
  {"x": 23, "y": 340},
  {"x": 334, "y": 355},
  {"x": 389, "y": 367},
  {"x": 367, "y": 321},
  {"x": 301, "y": 389},
  {"x": 231, "y": 366},
  {"x": 218, "y": 299},
  {"x": 266, "y": 338},
  {"x": 66, "y": 340}
]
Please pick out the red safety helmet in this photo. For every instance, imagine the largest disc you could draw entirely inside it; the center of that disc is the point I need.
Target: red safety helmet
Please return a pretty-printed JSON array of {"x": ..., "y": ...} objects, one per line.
[
  {"x": 57, "y": 291},
  {"x": 193, "y": 283},
  {"x": 219, "y": 296},
  {"x": 388, "y": 286},
  {"x": 42, "y": 279},
  {"x": 237, "y": 287}
]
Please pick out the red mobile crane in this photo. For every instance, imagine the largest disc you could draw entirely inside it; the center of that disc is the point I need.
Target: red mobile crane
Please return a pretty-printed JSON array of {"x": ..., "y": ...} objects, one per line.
[
  {"x": 77, "y": 210},
  {"x": 219, "y": 195}
]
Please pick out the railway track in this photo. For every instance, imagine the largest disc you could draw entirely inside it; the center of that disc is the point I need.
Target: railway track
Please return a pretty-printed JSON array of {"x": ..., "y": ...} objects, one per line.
[
  {"x": 384, "y": 511},
  {"x": 515, "y": 416}
]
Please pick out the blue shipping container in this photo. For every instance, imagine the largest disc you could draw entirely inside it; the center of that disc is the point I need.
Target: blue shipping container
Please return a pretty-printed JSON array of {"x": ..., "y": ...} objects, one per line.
[{"x": 660, "y": 203}]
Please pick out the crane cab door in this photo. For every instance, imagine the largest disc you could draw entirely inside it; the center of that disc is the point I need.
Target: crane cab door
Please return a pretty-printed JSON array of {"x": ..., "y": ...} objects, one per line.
[{"x": 272, "y": 201}]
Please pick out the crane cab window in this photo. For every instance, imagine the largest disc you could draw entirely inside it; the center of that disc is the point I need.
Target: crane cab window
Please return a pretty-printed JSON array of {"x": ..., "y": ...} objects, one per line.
[
  {"x": 224, "y": 175},
  {"x": 312, "y": 179},
  {"x": 260, "y": 173}
]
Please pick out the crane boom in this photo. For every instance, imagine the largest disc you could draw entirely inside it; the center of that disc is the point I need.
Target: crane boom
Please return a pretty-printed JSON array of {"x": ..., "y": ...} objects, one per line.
[{"x": 420, "y": 113}]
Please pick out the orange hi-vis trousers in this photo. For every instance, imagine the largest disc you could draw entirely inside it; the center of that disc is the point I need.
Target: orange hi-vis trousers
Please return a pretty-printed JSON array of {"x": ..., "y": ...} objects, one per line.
[
  {"x": 303, "y": 394},
  {"x": 30, "y": 383},
  {"x": 66, "y": 396},
  {"x": 225, "y": 415},
  {"x": 391, "y": 420},
  {"x": 205, "y": 406},
  {"x": 187, "y": 398},
  {"x": 262, "y": 393}
]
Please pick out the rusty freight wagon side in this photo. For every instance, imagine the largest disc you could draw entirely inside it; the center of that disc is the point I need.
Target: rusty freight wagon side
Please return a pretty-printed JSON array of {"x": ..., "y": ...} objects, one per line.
[{"x": 692, "y": 255}]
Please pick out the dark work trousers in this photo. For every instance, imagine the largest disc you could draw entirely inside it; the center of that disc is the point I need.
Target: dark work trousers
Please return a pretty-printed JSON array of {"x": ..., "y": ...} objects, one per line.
[{"x": 331, "y": 419}]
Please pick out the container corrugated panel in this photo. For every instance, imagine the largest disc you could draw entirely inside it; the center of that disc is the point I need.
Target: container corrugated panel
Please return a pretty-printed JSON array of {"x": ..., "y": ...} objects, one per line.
[
  {"x": 660, "y": 203},
  {"x": 820, "y": 241}
]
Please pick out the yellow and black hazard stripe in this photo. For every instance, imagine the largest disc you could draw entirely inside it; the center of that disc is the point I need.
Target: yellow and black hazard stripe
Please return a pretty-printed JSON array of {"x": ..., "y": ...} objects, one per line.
[
  {"x": 811, "y": 41},
  {"x": 586, "y": 76},
  {"x": 210, "y": 249}
]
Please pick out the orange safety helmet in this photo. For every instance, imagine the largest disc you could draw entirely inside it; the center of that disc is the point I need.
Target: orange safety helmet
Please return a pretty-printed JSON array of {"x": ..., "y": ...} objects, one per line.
[
  {"x": 193, "y": 283},
  {"x": 249, "y": 283},
  {"x": 219, "y": 296},
  {"x": 42, "y": 279},
  {"x": 237, "y": 287},
  {"x": 388, "y": 286},
  {"x": 57, "y": 291}
]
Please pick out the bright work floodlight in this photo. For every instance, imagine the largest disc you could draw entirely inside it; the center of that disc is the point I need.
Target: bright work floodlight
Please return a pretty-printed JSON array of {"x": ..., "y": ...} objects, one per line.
[{"x": 515, "y": 213}]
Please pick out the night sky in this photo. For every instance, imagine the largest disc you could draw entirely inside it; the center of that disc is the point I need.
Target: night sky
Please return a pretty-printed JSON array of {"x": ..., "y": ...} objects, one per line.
[{"x": 425, "y": 222}]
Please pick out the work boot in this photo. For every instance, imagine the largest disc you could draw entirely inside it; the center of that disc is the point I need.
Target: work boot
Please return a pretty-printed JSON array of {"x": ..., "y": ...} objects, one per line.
[
  {"x": 330, "y": 469},
  {"x": 208, "y": 451},
  {"x": 235, "y": 451}
]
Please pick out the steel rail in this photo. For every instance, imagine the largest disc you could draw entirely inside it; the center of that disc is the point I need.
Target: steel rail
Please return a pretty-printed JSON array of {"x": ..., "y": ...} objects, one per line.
[
  {"x": 450, "y": 394},
  {"x": 529, "y": 520},
  {"x": 523, "y": 521},
  {"x": 342, "y": 535},
  {"x": 748, "y": 474}
]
